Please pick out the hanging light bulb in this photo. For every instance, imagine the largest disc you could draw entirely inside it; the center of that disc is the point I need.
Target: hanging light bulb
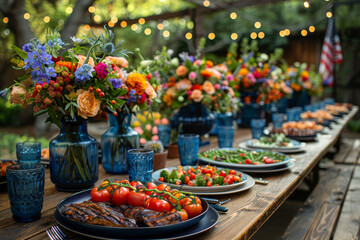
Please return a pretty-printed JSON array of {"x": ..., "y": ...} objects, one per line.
[{"x": 307, "y": 4}]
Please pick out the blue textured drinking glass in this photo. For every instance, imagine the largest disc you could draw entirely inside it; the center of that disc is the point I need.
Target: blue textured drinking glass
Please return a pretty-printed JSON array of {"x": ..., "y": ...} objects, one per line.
[
  {"x": 25, "y": 183},
  {"x": 257, "y": 127},
  {"x": 278, "y": 119},
  {"x": 225, "y": 136},
  {"x": 188, "y": 146},
  {"x": 308, "y": 108},
  {"x": 141, "y": 162},
  {"x": 164, "y": 134},
  {"x": 330, "y": 101},
  {"x": 28, "y": 152},
  {"x": 291, "y": 114},
  {"x": 298, "y": 111}
]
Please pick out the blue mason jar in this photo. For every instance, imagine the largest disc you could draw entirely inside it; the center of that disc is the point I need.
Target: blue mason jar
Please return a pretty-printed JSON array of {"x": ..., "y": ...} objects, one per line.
[
  {"x": 116, "y": 141},
  {"x": 74, "y": 160}
]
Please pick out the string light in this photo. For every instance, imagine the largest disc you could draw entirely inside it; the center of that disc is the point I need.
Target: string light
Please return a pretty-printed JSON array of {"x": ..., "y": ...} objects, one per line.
[
  {"x": 257, "y": 24},
  {"x": 206, "y": 3},
  {"x": 190, "y": 25},
  {"x": 329, "y": 14},
  {"x": 188, "y": 35},
  {"x": 282, "y": 33},
  {"x": 253, "y": 35},
  {"x": 87, "y": 27},
  {"x": 5, "y": 19},
  {"x": 311, "y": 29},
  {"x": 134, "y": 27},
  {"x": 97, "y": 18},
  {"x": 166, "y": 33},
  {"x": 147, "y": 31},
  {"x": 141, "y": 21},
  {"x": 69, "y": 10},
  {"x": 211, "y": 36},
  {"x": 26, "y": 16},
  {"x": 287, "y": 32},
  {"x": 91, "y": 9},
  {"x": 123, "y": 24},
  {"x": 303, "y": 32},
  {"x": 160, "y": 26},
  {"x": 261, "y": 35},
  {"x": 233, "y": 15},
  {"x": 306, "y": 4},
  {"x": 46, "y": 19},
  {"x": 114, "y": 20},
  {"x": 234, "y": 36}
]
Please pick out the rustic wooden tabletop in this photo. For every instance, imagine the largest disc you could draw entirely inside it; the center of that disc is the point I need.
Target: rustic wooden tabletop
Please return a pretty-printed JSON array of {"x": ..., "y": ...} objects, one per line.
[{"x": 248, "y": 210}]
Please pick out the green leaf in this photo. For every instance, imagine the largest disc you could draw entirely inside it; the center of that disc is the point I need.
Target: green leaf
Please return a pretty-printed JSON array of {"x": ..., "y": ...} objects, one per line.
[
  {"x": 40, "y": 112},
  {"x": 20, "y": 52}
]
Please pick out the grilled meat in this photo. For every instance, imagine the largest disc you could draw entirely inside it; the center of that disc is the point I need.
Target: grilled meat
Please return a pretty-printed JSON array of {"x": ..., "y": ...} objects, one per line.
[{"x": 98, "y": 214}]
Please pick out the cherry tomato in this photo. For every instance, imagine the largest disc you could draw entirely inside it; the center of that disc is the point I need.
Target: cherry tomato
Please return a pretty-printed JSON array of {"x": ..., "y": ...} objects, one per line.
[
  {"x": 239, "y": 162},
  {"x": 183, "y": 214},
  {"x": 110, "y": 188},
  {"x": 189, "y": 200},
  {"x": 178, "y": 182},
  {"x": 137, "y": 199},
  {"x": 209, "y": 183},
  {"x": 3, "y": 170},
  {"x": 159, "y": 205},
  {"x": 192, "y": 176},
  {"x": 206, "y": 170},
  {"x": 187, "y": 179},
  {"x": 150, "y": 185},
  {"x": 135, "y": 184},
  {"x": 242, "y": 154},
  {"x": 247, "y": 161},
  {"x": 148, "y": 202},
  {"x": 233, "y": 172},
  {"x": 163, "y": 187},
  {"x": 179, "y": 196},
  {"x": 100, "y": 196},
  {"x": 268, "y": 160},
  {"x": 237, "y": 179},
  {"x": 121, "y": 195},
  {"x": 124, "y": 181},
  {"x": 191, "y": 208},
  {"x": 191, "y": 183},
  {"x": 222, "y": 173},
  {"x": 161, "y": 179},
  {"x": 229, "y": 179}
]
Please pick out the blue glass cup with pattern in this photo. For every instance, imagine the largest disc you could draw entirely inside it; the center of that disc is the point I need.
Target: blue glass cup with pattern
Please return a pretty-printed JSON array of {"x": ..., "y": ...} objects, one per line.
[
  {"x": 28, "y": 152},
  {"x": 164, "y": 134},
  {"x": 278, "y": 120},
  {"x": 141, "y": 162},
  {"x": 308, "y": 108},
  {"x": 188, "y": 146},
  {"x": 298, "y": 111},
  {"x": 225, "y": 136},
  {"x": 25, "y": 183},
  {"x": 291, "y": 114},
  {"x": 257, "y": 127}
]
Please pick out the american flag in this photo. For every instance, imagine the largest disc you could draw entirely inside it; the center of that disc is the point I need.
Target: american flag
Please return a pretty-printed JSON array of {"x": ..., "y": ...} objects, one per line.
[{"x": 331, "y": 53}]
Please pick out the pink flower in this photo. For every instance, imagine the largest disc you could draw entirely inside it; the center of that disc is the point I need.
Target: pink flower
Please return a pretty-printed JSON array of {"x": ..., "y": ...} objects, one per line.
[
  {"x": 101, "y": 70},
  {"x": 189, "y": 93},
  {"x": 149, "y": 90},
  {"x": 164, "y": 121},
  {"x": 155, "y": 130},
  {"x": 118, "y": 61},
  {"x": 148, "y": 127},
  {"x": 142, "y": 141},
  {"x": 230, "y": 77},
  {"x": 155, "y": 138},
  {"x": 251, "y": 78},
  {"x": 139, "y": 130},
  {"x": 217, "y": 86},
  {"x": 157, "y": 121},
  {"x": 225, "y": 83},
  {"x": 198, "y": 62},
  {"x": 117, "y": 71},
  {"x": 192, "y": 75},
  {"x": 257, "y": 74}
]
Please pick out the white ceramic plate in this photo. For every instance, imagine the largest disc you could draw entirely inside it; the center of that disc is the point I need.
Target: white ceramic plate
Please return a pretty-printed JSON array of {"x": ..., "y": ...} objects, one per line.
[
  {"x": 193, "y": 189},
  {"x": 275, "y": 170},
  {"x": 252, "y": 144},
  {"x": 282, "y": 150}
]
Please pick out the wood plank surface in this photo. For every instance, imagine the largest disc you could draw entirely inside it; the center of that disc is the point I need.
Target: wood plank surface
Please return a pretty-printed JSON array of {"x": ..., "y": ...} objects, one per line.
[
  {"x": 348, "y": 226},
  {"x": 345, "y": 148},
  {"x": 354, "y": 153},
  {"x": 248, "y": 211}
]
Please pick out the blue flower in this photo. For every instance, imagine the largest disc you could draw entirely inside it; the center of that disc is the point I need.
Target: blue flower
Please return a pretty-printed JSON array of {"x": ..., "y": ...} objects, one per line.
[
  {"x": 50, "y": 71},
  {"x": 132, "y": 98},
  {"x": 116, "y": 82},
  {"x": 42, "y": 77},
  {"x": 75, "y": 40},
  {"x": 83, "y": 73},
  {"x": 57, "y": 42},
  {"x": 28, "y": 47}
]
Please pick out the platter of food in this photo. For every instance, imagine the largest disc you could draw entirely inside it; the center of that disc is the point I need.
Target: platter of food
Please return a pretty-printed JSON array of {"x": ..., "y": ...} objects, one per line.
[
  {"x": 244, "y": 159},
  {"x": 200, "y": 179},
  {"x": 273, "y": 170},
  {"x": 120, "y": 208},
  {"x": 277, "y": 141},
  {"x": 3, "y": 166},
  {"x": 297, "y": 134}
]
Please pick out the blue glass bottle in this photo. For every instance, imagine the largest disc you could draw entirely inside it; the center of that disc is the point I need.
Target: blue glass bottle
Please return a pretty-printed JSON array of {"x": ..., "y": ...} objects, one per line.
[
  {"x": 116, "y": 141},
  {"x": 74, "y": 160}
]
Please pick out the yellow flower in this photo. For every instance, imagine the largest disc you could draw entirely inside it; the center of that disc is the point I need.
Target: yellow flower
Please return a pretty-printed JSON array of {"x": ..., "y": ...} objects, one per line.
[
  {"x": 137, "y": 82},
  {"x": 137, "y": 124},
  {"x": 141, "y": 118}
]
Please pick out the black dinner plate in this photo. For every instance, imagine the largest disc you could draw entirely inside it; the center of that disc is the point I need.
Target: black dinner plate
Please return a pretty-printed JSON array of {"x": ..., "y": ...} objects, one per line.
[
  {"x": 208, "y": 222},
  {"x": 115, "y": 232}
]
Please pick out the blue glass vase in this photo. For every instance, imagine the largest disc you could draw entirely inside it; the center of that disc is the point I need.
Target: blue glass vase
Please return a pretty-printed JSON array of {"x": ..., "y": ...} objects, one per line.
[
  {"x": 116, "y": 141},
  {"x": 74, "y": 160},
  {"x": 281, "y": 105},
  {"x": 299, "y": 99},
  {"x": 194, "y": 118},
  {"x": 248, "y": 112}
]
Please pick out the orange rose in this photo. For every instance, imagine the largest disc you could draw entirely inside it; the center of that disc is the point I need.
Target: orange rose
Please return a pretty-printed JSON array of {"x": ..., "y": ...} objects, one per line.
[
  {"x": 243, "y": 72},
  {"x": 208, "y": 87},
  {"x": 81, "y": 60},
  {"x": 149, "y": 90},
  {"x": 118, "y": 61},
  {"x": 181, "y": 71},
  {"x": 184, "y": 84},
  {"x": 88, "y": 105},
  {"x": 196, "y": 95}
]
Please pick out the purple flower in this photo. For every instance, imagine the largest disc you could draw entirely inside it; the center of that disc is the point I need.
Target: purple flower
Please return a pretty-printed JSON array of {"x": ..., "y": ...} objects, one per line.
[
  {"x": 28, "y": 47},
  {"x": 83, "y": 73},
  {"x": 101, "y": 70},
  {"x": 116, "y": 82}
]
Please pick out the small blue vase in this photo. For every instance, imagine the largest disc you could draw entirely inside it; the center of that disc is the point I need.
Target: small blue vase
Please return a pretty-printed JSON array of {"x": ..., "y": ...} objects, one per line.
[
  {"x": 116, "y": 141},
  {"x": 248, "y": 112},
  {"x": 194, "y": 118},
  {"x": 74, "y": 160}
]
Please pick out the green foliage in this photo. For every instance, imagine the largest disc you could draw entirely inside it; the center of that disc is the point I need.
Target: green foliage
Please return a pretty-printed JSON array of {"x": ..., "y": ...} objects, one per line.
[
  {"x": 9, "y": 114},
  {"x": 354, "y": 125}
]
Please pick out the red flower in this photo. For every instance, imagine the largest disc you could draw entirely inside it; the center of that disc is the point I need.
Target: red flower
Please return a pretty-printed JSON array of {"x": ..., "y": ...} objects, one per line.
[{"x": 142, "y": 98}]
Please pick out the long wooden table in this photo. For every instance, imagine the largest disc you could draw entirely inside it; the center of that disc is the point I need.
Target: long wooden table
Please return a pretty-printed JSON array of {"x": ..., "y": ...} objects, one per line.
[{"x": 248, "y": 210}]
